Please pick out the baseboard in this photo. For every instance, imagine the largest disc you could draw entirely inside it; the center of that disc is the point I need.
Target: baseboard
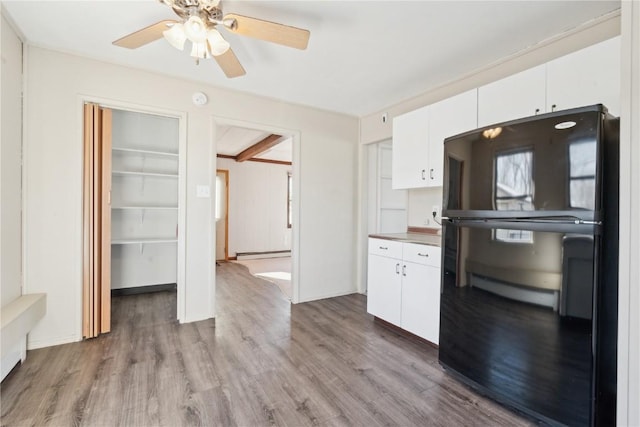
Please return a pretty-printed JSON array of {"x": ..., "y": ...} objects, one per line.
[
  {"x": 144, "y": 289},
  {"x": 260, "y": 255},
  {"x": 398, "y": 330},
  {"x": 334, "y": 295},
  {"x": 36, "y": 344}
]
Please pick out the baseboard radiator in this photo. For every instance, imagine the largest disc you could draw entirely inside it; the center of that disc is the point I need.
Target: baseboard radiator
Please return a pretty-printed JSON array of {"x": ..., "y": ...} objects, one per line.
[{"x": 259, "y": 255}]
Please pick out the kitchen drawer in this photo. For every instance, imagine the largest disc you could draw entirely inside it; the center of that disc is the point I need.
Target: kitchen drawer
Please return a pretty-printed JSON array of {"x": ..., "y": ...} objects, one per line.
[
  {"x": 421, "y": 254},
  {"x": 386, "y": 248}
]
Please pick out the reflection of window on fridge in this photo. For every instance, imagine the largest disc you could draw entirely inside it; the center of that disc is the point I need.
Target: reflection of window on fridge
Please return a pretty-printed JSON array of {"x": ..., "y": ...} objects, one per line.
[
  {"x": 513, "y": 190},
  {"x": 582, "y": 174}
]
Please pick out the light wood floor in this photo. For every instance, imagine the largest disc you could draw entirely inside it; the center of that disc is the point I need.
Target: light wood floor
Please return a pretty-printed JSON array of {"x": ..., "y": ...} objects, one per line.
[{"x": 262, "y": 362}]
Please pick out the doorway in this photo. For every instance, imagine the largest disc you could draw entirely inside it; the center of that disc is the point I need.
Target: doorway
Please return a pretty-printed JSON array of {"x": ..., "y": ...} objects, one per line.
[{"x": 262, "y": 202}]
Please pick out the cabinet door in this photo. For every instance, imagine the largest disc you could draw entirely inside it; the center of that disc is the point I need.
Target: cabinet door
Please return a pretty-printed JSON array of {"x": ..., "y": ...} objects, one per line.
[
  {"x": 384, "y": 288},
  {"x": 421, "y": 300},
  {"x": 513, "y": 97},
  {"x": 410, "y": 149},
  {"x": 588, "y": 76},
  {"x": 447, "y": 118}
]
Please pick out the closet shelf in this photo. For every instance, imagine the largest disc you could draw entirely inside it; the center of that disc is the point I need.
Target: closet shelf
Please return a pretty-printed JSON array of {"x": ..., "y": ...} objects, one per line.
[
  {"x": 143, "y": 174},
  {"x": 134, "y": 241},
  {"x": 139, "y": 207},
  {"x": 144, "y": 152}
]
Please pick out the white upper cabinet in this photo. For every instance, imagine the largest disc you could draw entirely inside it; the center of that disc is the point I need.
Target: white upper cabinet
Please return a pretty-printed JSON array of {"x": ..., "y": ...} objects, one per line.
[
  {"x": 410, "y": 162},
  {"x": 447, "y": 118},
  {"x": 418, "y": 137},
  {"x": 516, "y": 96},
  {"x": 588, "y": 76}
]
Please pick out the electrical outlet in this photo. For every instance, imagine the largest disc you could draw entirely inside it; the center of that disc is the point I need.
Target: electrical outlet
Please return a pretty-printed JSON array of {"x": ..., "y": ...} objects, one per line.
[{"x": 435, "y": 209}]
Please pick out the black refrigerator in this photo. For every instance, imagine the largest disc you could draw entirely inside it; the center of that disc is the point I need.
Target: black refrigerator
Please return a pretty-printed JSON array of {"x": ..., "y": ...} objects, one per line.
[{"x": 530, "y": 264}]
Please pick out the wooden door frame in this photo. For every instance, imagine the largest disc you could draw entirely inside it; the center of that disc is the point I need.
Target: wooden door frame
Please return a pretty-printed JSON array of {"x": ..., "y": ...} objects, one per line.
[{"x": 226, "y": 214}]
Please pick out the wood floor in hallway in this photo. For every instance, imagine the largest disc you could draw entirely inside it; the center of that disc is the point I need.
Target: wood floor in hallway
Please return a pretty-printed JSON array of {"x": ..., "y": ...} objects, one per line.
[{"x": 262, "y": 362}]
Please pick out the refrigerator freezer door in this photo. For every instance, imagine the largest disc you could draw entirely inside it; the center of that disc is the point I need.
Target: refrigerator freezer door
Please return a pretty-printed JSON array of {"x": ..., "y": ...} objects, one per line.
[{"x": 540, "y": 166}]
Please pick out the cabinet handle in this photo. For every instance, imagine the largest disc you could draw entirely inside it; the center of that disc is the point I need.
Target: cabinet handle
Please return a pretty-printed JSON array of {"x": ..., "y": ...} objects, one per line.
[
  {"x": 553, "y": 107},
  {"x": 423, "y": 171},
  {"x": 425, "y": 255},
  {"x": 397, "y": 268},
  {"x": 431, "y": 173},
  {"x": 537, "y": 111},
  {"x": 384, "y": 248},
  {"x": 404, "y": 270}
]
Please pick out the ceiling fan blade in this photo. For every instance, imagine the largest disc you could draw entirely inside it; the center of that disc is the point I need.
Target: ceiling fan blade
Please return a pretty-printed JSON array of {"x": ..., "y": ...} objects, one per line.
[
  {"x": 146, "y": 35},
  {"x": 229, "y": 63},
  {"x": 269, "y": 31}
]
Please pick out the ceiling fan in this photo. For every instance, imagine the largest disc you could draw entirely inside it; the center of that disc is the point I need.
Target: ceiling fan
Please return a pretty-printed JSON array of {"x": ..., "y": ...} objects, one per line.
[{"x": 199, "y": 20}]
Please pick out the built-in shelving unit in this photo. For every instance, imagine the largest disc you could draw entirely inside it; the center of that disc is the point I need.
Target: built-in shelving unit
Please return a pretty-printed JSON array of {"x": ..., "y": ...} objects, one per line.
[{"x": 145, "y": 206}]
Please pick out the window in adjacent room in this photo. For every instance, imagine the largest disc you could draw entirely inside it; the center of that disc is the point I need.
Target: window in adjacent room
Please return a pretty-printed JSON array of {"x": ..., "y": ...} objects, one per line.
[
  {"x": 513, "y": 190},
  {"x": 289, "y": 200},
  {"x": 582, "y": 174}
]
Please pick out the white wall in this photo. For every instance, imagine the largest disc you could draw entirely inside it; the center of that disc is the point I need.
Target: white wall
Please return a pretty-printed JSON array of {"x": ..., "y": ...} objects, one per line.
[
  {"x": 11, "y": 166},
  {"x": 55, "y": 86},
  {"x": 257, "y": 206},
  {"x": 421, "y": 203}
]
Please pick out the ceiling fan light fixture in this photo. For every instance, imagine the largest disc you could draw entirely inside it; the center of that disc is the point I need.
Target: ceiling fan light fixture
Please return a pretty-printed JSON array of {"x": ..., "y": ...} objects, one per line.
[
  {"x": 195, "y": 29},
  {"x": 199, "y": 50},
  {"x": 175, "y": 36},
  {"x": 217, "y": 44}
]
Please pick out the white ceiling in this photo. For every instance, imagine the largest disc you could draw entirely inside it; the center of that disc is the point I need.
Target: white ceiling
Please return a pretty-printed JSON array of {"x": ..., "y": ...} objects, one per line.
[{"x": 362, "y": 57}]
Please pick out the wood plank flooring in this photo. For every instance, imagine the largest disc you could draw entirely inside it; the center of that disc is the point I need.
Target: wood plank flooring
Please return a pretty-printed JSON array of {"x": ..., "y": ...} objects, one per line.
[{"x": 262, "y": 362}]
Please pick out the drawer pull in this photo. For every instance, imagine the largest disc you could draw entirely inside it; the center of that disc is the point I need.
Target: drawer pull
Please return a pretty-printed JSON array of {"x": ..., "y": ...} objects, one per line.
[
  {"x": 425, "y": 255},
  {"x": 384, "y": 248}
]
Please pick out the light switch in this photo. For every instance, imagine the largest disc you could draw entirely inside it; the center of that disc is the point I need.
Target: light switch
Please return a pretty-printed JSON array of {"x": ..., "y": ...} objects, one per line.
[{"x": 203, "y": 191}]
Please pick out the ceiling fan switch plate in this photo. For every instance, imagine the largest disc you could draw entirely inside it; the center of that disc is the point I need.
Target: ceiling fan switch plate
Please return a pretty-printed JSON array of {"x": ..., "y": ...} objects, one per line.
[{"x": 199, "y": 99}]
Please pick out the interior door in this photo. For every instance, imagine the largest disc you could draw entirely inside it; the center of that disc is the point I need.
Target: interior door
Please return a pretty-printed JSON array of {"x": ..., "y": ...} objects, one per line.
[
  {"x": 96, "y": 316},
  {"x": 222, "y": 215}
]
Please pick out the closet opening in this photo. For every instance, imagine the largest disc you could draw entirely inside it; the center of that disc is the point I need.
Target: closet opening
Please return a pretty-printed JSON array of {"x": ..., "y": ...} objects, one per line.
[{"x": 134, "y": 213}]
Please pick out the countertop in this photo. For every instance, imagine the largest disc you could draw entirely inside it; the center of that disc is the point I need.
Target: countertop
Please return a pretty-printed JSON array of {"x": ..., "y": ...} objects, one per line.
[{"x": 420, "y": 238}]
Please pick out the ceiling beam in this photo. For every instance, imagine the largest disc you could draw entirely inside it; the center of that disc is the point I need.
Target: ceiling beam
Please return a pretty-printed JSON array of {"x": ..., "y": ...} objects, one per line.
[
  {"x": 255, "y": 159},
  {"x": 259, "y": 147}
]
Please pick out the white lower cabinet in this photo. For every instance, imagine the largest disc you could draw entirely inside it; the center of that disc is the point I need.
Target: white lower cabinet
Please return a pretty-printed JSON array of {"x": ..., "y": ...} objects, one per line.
[
  {"x": 404, "y": 286},
  {"x": 384, "y": 288},
  {"x": 420, "y": 310}
]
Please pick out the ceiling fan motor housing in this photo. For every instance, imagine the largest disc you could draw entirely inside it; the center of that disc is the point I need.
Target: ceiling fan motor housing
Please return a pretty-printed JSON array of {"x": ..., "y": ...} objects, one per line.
[{"x": 208, "y": 10}]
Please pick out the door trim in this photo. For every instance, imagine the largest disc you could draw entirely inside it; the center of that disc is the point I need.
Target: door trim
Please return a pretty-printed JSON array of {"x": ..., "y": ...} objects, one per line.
[{"x": 226, "y": 213}]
